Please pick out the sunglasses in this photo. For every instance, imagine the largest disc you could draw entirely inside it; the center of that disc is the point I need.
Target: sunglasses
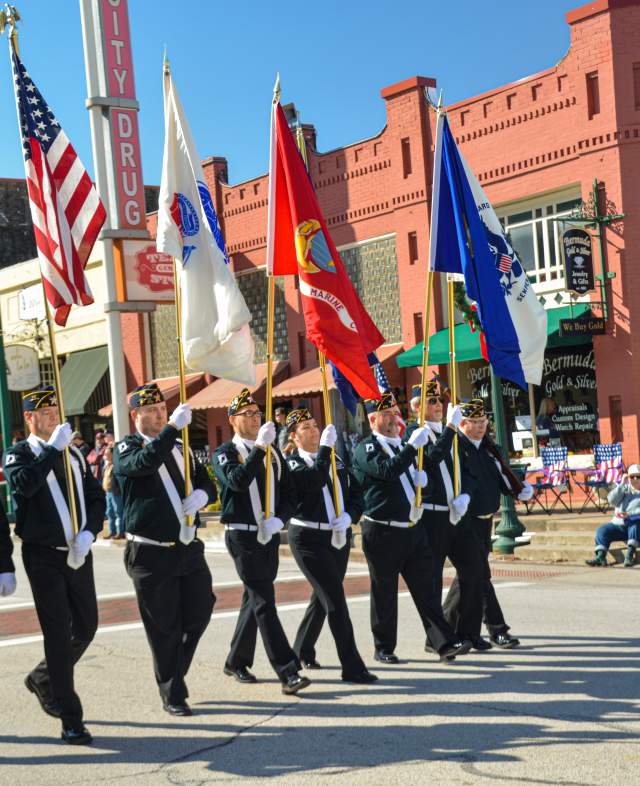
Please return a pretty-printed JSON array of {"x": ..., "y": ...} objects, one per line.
[{"x": 435, "y": 400}]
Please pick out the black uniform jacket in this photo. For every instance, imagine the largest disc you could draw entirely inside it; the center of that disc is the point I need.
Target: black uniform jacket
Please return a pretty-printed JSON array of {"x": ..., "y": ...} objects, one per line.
[
  {"x": 235, "y": 477},
  {"x": 37, "y": 518},
  {"x": 487, "y": 480},
  {"x": 6, "y": 544},
  {"x": 379, "y": 475},
  {"x": 147, "y": 507},
  {"x": 310, "y": 481}
]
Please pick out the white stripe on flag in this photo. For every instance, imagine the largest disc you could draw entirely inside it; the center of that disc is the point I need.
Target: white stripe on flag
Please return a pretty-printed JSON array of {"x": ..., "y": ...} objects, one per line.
[{"x": 60, "y": 144}]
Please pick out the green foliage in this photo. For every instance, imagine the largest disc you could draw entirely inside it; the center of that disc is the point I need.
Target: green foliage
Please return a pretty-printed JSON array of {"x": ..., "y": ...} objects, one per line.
[{"x": 464, "y": 307}]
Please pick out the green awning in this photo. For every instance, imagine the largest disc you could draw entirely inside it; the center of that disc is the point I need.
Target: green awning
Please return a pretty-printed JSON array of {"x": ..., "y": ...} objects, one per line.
[
  {"x": 468, "y": 343},
  {"x": 79, "y": 377}
]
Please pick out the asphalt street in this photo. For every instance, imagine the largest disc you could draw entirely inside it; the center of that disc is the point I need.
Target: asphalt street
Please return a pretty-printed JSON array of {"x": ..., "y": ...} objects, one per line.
[{"x": 561, "y": 709}]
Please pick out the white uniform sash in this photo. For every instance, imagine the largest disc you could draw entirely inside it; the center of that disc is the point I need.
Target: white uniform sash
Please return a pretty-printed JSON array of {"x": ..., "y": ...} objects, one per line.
[
  {"x": 56, "y": 492},
  {"x": 309, "y": 460},
  {"x": 254, "y": 492},
  {"x": 409, "y": 490},
  {"x": 167, "y": 482}
]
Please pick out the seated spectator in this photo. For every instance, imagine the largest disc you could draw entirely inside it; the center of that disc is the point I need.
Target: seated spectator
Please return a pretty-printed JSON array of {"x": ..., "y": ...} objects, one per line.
[{"x": 625, "y": 524}]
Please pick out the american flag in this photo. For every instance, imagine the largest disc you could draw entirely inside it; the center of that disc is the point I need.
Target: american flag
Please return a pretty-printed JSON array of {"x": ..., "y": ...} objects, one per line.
[
  {"x": 66, "y": 211},
  {"x": 609, "y": 466},
  {"x": 556, "y": 465},
  {"x": 504, "y": 263}
]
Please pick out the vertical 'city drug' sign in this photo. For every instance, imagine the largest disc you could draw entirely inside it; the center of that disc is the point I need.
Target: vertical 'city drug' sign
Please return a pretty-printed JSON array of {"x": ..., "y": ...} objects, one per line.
[{"x": 118, "y": 62}]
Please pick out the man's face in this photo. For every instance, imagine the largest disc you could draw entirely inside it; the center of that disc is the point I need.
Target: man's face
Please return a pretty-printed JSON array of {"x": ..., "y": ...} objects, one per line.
[
  {"x": 246, "y": 423},
  {"x": 385, "y": 422},
  {"x": 475, "y": 428},
  {"x": 77, "y": 441},
  {"x": 42, "y": 422},
  {"x": 307, "y": 436},
  {"x": 434, "y": 409},
  {"x": 281, "y": 418},
  {"x": 151, "y": 419}
]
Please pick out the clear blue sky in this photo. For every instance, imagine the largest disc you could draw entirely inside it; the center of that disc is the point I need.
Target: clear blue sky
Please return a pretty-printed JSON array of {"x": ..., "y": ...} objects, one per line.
[{"x": 333, "y": 59}]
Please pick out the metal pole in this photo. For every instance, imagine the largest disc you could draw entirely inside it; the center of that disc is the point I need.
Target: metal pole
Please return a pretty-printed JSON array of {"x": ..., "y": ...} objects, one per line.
[
  {"x": 186, "y": 456},
  {"x": 532, "y": 416},
  {"x": 271, "y": 287},
  {"x": 105, "y": 184},
  {"x": 453, "y": 380},
  {"x": 510, "y": 527},
  {"x": 425, "y": 363}
]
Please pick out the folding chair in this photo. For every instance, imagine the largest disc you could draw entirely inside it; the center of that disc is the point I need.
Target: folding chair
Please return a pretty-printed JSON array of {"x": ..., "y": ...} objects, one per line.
[
  {"x": 553, "y": 482},
  {"x": 609, "y": 470}
]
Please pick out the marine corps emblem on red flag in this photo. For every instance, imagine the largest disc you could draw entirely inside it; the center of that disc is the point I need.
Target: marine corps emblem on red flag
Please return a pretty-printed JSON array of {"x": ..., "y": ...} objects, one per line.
[{"x": 298, "y": 242}]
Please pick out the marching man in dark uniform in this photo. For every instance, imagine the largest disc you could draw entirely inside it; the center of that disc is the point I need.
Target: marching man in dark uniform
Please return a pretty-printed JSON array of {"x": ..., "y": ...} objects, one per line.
[
  {"x": 320, "y": 542},
  {"x": 163, "y": 557},
  {"x": 480, "y": 458},
  {"x": 59, "y": 566},
  {"x": 394, "y": 543},
  {"x": 7, "y": 568},
  {"x": 253, "y": 540},
  {"x": 441, "y": 509}
]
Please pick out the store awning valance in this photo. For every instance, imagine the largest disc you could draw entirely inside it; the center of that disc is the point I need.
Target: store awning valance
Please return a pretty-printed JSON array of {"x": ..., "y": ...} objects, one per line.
[
  {"x": 468, "y": 343},
  {"x": 79, "y": 377},
  {"x": 309, "y": 382},
  {"x": 219, "y": 393},
  {"x": 170, "y": 387}
]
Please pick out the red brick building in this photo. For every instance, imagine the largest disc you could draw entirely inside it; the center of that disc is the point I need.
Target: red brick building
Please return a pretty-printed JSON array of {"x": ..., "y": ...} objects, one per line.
[{"x": 536, "y": 145}]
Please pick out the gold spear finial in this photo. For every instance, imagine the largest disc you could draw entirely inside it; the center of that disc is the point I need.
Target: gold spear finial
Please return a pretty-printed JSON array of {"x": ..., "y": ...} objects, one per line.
[
  {"x": 165, "y": 62},
  {"x": 8, "y": 18}
]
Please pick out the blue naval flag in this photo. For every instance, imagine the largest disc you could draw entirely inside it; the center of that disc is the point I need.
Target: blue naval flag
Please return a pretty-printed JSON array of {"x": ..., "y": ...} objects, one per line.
[{"x": 467, "y": 238}]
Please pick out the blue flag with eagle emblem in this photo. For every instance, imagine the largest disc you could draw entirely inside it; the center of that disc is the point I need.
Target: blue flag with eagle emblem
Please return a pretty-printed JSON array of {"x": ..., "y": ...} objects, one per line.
[{"x": 467, "y": 238}]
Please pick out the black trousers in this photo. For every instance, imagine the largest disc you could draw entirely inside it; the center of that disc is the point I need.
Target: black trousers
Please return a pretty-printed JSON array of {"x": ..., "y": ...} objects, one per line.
[
  {"x": 324, "y": 567},
  {"x": 392, "y": 552},
  {"x": 175, "y": 597},
  {"x": 67, "y": 609},
  {"x": 469, "y": 602},
  {"x": 257, "y": 566}
]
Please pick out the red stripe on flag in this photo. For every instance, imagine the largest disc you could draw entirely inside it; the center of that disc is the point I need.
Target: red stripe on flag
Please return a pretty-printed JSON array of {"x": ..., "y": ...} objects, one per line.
[{"x": 78, "y": 198}]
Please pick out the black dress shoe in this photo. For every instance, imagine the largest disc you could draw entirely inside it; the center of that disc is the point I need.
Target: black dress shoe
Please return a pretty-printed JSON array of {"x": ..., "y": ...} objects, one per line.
[
  {"x": 240, "y": 673},
  {"x": 78, "y": 735},
  {"x": 451, "y": 650},
  {"x": 481, "y": 645},
  {"x": 294, "y": 683},
  {"x": 364, "y": 678},
  {"x": 180, "y": 708},
  {"x": 505, "y": 641},
  {"x": 310, "y": 664},
  {"x": 385, "y": 657},
  {"x": 47, "y": 702}
]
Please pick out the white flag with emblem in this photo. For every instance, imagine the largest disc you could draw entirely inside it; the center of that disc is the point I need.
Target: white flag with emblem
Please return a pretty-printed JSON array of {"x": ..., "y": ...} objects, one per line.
[{"x": 215, "y": 318}]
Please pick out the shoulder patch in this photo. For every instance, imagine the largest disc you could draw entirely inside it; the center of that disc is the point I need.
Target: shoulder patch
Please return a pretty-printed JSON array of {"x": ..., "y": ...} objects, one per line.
[
  {"x": 11, "y": 458},
  {"x": 293, "y": 464},
  {"x": 369, "y": 447},
  {"x": 122, "y": 447},
  {"x": 222, "y": 459}
]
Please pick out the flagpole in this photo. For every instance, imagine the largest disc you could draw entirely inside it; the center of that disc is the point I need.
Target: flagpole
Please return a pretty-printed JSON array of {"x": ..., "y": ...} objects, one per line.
[
  {"x": 533, "y": 427},
  {"x": 425, "y": 363},
  {"x": 453, "y": 381},
  {"x": 302, "y": 147},
  {"x": 186, "y": 455},
  {"x": 11, "y": 18},
  {"x": 271, "y": 297}
]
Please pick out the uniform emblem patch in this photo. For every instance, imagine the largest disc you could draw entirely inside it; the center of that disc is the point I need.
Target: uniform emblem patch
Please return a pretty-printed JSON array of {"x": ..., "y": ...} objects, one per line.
[
  {"x": 222, "y": 459},
  {"x": 293, "y": 464},
  {"x": 369, "y": 448},
  {"x": 122, "y": 447},
  {"x": 11, "y": 459}
]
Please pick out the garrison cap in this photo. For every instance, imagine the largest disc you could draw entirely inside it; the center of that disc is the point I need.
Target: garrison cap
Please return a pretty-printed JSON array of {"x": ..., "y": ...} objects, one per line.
[
  {"x": 297, "y": 416},
  {"x": 473, "y": 410},
  {"x": 143, "y": 396},
  {"x": 431, "y": 389},
  {"x": 242, "y": 400},
  {"x": 386, "y": 401},
  {"x": 39, "y": 398}
]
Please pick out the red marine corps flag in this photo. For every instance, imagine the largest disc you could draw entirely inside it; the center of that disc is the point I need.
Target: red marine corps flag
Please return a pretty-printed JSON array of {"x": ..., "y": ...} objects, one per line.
[
  {"x": 298, "y": 242},
  {"x": 66, "y": 210}
]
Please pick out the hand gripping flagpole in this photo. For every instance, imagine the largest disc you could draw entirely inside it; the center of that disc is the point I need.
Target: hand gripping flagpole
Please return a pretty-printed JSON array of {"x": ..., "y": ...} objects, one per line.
[
  {"x": 186, "y": 455},
  {"x": 10, "y": 16},
  {"x": 302, "y": 147}
]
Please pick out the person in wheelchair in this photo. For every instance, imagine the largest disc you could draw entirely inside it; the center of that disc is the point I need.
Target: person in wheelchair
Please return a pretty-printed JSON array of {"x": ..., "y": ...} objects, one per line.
[{"x": 625, "y": 525}]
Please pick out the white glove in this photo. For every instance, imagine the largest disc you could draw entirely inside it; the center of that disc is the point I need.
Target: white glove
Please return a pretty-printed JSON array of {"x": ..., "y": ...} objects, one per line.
[
  {"x": 7, "y": 584},
  {"x": 194, "y": 502},
  {"x": 460, "y": 504},
  {"x": 266, "y": 434},
  {"x": 341, "y": 523},
  {"x": 61, "y": 436},
  {"x": 454, "y": 415},
  {"x": 187, "y": 533},
  {"x": 419, "y": 437},
  {"x": 329, "y": 436},
  {"x": 79, "y": 547},
  {"x": 526, "y": 493},
  {"x": 420, "y": 478},
  {"x": 273, "y": 525},
  {"x": 181, "y": 416}
]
